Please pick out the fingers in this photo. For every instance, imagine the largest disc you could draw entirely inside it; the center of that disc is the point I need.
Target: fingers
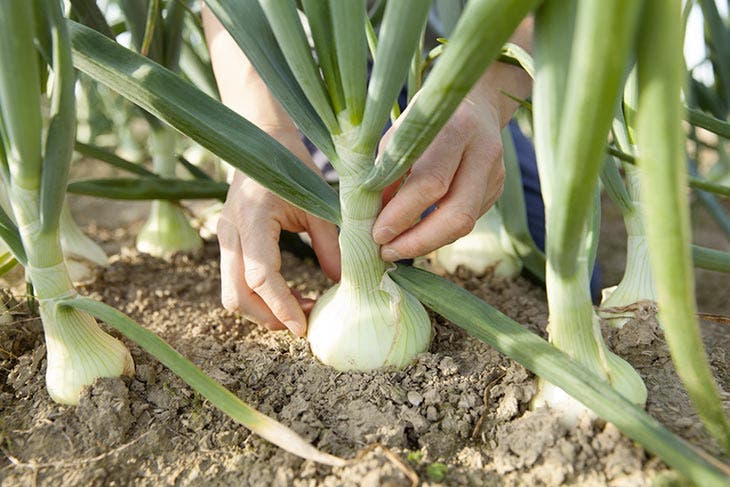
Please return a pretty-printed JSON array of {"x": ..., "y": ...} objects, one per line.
[
  {"x": 326, "y": 245},
  {"x": 475, "y": 187},
  {"x": 251, "y": 281},
  {"x": 262, "y": 265},
  {"x": 236, "y": 296},
  {"x": 429, "y": 180},
  {"x": 306, "y": 303}
]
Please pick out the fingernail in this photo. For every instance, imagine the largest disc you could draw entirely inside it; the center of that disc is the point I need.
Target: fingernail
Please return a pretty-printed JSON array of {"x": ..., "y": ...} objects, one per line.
[
  {"x": 383, "y": 235},
  {"x": 389, "y": 254},
  {"x": 297, "y": 328}
]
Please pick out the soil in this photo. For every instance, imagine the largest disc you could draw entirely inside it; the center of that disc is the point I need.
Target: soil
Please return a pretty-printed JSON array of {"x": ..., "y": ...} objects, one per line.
[{"x": 458, "y": 415}]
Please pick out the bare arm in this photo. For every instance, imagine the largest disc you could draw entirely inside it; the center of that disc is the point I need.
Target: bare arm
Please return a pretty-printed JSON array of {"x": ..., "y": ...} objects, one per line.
[{"x": 253, "y": 217}]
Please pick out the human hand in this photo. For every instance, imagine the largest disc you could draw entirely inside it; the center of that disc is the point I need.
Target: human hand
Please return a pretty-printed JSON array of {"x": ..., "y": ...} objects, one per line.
[
  {"x": 248, "y": 233},
  {"x": 461, "y": 171}
]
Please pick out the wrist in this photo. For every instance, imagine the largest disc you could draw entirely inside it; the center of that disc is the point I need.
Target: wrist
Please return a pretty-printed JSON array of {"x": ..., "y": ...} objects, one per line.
[
  {"x": 501, "y": 79},
  {"x": 496, "y": 88}
]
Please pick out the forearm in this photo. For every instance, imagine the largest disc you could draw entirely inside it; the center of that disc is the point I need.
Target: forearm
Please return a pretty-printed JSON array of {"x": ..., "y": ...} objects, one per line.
[
  {"x": 240, "y": 86},
  {"x": 501, "y": 79}
]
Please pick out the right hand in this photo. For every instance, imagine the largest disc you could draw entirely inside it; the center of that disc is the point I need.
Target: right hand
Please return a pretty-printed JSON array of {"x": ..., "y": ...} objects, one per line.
[{"x": 248, "y": 233}]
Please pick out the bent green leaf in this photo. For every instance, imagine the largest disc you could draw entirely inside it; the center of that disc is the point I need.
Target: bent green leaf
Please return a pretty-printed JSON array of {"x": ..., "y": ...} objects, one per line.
[
  {"x": 205, "y": 120},
  {"x": 514, "y": 340},
  {"x": 218, "y": 395}
]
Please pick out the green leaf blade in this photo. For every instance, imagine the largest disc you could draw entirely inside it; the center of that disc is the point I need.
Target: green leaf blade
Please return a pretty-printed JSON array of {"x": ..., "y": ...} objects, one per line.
[
  {"x": 348, "y": 20},
  {"x": 149, "y": 189},
  {"x": 661, "y": 74},
  {"x": 399, "y": 35},
  {"x": 320, "y": 23},
  {"x": 284, "y": 21},
  {"x": 247, "y": 24},
  {"x": 509, "y": 337},
  {"x": 466, "y": 56},
  {"x": 62, "y": 129},
  {"x": 20, "y": 90},
  {"x": 218, "y": 395},
  {"x": 205, "y": 120}
]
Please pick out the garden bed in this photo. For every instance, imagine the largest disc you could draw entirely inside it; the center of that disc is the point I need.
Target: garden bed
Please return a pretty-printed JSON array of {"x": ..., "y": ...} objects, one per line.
[{"x": 457, "y": 416}]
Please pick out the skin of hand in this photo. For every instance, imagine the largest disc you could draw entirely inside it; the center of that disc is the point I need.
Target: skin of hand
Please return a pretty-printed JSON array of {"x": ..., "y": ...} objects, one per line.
[
  {"x": 248, "y": 233},
  {"x": 461, "y": 170},
  {"x": 253, "y": 217}
]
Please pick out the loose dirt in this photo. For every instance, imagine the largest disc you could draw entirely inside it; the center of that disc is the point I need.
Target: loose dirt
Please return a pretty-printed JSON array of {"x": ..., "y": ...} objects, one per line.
[{"x": 457, "y": 416}]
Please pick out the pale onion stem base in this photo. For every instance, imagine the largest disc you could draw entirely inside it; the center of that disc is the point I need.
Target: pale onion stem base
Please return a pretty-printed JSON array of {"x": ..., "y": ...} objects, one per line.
[
  {"x": 367, "y": 321},
  {"x": 636, "y": 286},
  {"x": 167, "y": 231},
  {"x": 574, "y": 328},
  {"x": 487, "y": 248},
  {"x": 78, "y": 352}
]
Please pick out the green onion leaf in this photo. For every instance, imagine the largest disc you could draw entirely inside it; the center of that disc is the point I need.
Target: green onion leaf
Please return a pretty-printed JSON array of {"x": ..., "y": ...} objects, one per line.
[
  {"x": 247, "y": 24},
  {"x": 348, "y": 21},
  {"x": 205, "y": 120},
  {"x": 399, "y": 35},
  {"x": 218, "y": 395},
  {"x": 484, "y": 26},
  {"x": 664, "y": 200},
  {"x": 284, "y": 21},
  {"x": 149, "y": 189},
  {"x": 509, "y": 337}
]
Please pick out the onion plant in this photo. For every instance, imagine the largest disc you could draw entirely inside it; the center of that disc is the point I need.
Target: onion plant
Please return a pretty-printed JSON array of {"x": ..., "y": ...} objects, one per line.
[
  {"x": 568, "y": 36},
  {"x": 487, "y": 248},
  {"x": 501, "y": 238},
  {"x": 636, "y": 288},
  {"x": 80, "y": 252},
  {"x": 335, "y": 107},
  {"x": 34, "y": 170},
  {"x": 167, "y": 229},
  {"x": 663, "y": 179},
  {"x": 34, "y": 173}
]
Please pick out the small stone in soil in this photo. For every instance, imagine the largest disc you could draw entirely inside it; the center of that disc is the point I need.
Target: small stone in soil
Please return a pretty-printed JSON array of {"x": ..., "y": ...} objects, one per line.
[{"x": 415, "y": 398}]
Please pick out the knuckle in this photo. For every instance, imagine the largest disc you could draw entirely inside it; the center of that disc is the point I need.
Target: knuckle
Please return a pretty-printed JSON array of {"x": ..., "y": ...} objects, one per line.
[
  {"x": 462, "y": 222},
  {"x": 257, "y": 277},
  {"x": 434, "y": 183}
]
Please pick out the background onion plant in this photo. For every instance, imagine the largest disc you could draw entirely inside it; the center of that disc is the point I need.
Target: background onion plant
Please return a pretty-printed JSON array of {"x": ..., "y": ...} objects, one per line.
[{"x": 582, "y": 48}]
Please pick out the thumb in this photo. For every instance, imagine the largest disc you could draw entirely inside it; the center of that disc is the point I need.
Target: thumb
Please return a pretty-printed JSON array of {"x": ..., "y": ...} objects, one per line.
[{"x": 326, "y": 245}]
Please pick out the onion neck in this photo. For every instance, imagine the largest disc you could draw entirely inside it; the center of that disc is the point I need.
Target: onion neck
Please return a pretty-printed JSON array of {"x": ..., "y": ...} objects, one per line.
[
  {"x": 45, "y": 267},
  {"x": 573, "y": 325},
  {"x": 362, "y": 266},
  {"x": 163, "y": 151}
]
